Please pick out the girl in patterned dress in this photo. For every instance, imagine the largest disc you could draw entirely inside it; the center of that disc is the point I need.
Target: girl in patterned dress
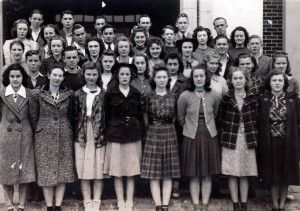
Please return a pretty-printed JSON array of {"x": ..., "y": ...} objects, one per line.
[
  {"x": 90, "y": 145},
  {"x": 161, "y": 159},
  {"x": 155, "y": 52},
  {"x": 237, "y": 119}
]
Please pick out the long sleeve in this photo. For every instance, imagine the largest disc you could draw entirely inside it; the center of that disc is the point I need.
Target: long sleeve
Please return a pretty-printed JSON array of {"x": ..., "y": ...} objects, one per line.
[
  {"x": 6, "y": 52},
  {"x": 181, "y": 109}
]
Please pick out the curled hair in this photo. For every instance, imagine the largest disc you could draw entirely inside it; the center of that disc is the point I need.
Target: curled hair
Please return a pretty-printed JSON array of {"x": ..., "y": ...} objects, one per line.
[
  {"x": 17, "y": 42},
  {"x": 89, "y": 65},
  {"x": 135, "y": 30},
  {"x": 63, "y": 42},
  {"x": 124, "y": 39},
  {"x": 96, "y": 39},
  {"x": 239, "y": 28},
  {"x": 14, "y": 66},
  {"x": 273, "y": 73},
  {"x": 247, "y": 55},
  {"x": 14, "y": 28},
  {"x": 281, "y": 54},
  {"x": 146, "y": 73},
  {"x": 175, "y": 56},
  {"x": 190, "y": 81},
  {"x": 49, "y": 26},
  {"x": 156, "y": 68},
  {"x": 158, "y": 42},
  {"x": 207, "y": 30},
  {"x": 209, "y": 57}
]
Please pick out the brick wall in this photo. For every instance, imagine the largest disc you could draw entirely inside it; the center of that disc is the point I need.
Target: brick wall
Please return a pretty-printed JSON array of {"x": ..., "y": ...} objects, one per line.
[{"x": 273, "y": 26}]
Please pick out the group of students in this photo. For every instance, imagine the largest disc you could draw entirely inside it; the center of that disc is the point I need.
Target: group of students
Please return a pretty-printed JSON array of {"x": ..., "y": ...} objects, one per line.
[{"x": 162, "y": 108}]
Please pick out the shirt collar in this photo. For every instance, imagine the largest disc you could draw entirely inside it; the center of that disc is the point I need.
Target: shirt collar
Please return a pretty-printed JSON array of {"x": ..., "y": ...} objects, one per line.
[
  {"x": 87, "y": 90},
  {"x": 111, "y": 45},
  {"x": 67, "y": 71},
  {"x": 9, "y": 91},
  {"x": 38, "y": 75}
]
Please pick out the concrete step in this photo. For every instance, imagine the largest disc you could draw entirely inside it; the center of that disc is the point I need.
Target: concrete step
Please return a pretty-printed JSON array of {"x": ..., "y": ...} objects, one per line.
[{"x": 182, "y": 204}]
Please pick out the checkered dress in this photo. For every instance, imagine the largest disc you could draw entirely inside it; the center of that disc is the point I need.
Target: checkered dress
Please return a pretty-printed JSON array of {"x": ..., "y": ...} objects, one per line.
[{"x": 160, "y": 159}]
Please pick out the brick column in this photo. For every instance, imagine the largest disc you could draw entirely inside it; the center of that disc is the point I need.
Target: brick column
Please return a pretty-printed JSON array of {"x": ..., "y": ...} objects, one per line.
[{"x": 273, "y": 22}]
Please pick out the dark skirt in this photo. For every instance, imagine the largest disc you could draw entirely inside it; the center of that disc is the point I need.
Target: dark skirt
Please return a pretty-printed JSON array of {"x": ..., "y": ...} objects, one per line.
[
  {"x": 278, "y": 155},
  {"x": 201, "y": 156},
  {"x": 161, "y": 159}
]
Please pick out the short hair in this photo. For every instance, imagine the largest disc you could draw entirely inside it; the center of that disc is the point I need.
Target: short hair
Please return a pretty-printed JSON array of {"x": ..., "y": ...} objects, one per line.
[
  {"x": 125, "y": 39},
  {"x": 168, "y": 27},
  {"x": 271, "y": 74},
  {"x": 56, "y": 37},
  {"x": 146, "y": 74},
  {"x": 57, "y": 66},
  {"x": 101, "y": 17},
  {"x": 239, "y": 28},
  {"x": 70, "y": 48},
  {"x": 136, "y": 30},
  {"x": 108, "y": 52},
  {"x": 55, "y": 27},
  {"x": 14, "y": 66},
  {"x": 31, "y": 53},
  {"x": 207, "y": 59},
  {"x": 66, "y": 12},
  {"x": 255, "y": 36},
  {"x": 247, "y": 55},
  {"x": 156, "y": 68},
  {"x": 144, "y": 16},
  {"x": 175, "y": 56},
  {"x": 96, "y": 39},
  {"x": 17, "y": 42},
  {"x": 77, "y": 26},
  {"x": 221, "y": 36},
  {"x": 282, "y": 54},
  {"x": 14, "y": 28},
  {"x": 190, "y": 81},
  {"x": 182, "y": 15},
  {"x": 220, "y": 18},
  {"x": 107, "y": 26},
  {"x": 207, "y": 30},
  {"x": 36, "y": 11},
  {"x": 158, "y": 42},
  {"x": 90, "y": 65}
]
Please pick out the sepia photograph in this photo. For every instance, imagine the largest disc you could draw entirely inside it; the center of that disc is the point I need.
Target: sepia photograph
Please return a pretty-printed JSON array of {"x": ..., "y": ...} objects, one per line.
[{"x": 141, "y": 105}]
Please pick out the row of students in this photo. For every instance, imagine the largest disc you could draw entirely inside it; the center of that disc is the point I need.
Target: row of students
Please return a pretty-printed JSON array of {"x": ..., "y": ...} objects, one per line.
[{"x": 109, "y": 132}]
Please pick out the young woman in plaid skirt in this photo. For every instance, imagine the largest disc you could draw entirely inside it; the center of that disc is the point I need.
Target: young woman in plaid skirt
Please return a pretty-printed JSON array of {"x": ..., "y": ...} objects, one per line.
[
  {"x": 237, "y": 115},
  {"x": 160, "y": 160},
  {"x": 197, "y": 109}
]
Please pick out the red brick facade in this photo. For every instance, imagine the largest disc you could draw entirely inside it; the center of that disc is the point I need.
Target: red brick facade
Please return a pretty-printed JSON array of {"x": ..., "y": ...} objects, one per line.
[{"x": 273, "y": 23}]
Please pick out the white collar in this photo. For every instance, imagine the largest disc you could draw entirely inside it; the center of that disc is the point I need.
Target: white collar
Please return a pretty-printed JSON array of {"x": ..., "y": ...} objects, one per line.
[
  {"x": 39, "y": 74},
  {"x": 9, "y": 91},
  {"x": 111, "y": 45},
  {"x": 87, "y": 90},
  {"x": 78, "y": 68},
  {"x": 79, "y": 47}
]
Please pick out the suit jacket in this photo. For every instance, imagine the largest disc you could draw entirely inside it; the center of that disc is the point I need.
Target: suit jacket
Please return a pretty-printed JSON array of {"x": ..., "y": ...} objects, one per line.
[
  {"x": 40, "y": 81},
  {"x": 264, "y": 66},
  {"x": 178, "y": 36},
  {"x": 39, "y": 39}
]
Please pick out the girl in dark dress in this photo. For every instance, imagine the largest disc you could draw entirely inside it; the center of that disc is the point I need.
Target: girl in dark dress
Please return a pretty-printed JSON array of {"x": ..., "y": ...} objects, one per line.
[
  {"x": 94, "y": 49},
  {"x": 278, "y": 155},
  {"x": 139, "y": 39},
  {"x": 160, "y": 159},
  {"x": 197, "y": 110},
  {"x": 239, "y": 39}
]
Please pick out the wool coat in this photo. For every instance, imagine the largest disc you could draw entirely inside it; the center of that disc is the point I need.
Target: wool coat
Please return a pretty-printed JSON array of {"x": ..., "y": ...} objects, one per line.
[
  {"x": 291, "y": 161},
  {"x": 16, "y": 141},
  {"x": 54, "y": 127}
]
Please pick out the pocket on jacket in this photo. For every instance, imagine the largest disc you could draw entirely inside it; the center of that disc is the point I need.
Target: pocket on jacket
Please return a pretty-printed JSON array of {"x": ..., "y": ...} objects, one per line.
[{"x": 39, "y": 130}]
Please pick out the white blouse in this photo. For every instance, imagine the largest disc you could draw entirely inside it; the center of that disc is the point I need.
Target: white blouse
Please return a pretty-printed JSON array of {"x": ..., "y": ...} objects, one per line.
[{"x": 90, "y": 97}]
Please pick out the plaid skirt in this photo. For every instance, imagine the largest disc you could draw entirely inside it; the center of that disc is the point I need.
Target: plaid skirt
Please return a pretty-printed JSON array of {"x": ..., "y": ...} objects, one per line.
[{"x": 161, "y": 159}]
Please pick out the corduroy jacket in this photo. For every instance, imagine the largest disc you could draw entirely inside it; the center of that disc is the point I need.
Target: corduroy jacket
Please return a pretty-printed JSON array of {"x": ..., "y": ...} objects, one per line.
[{"x": 230, "y": 119}]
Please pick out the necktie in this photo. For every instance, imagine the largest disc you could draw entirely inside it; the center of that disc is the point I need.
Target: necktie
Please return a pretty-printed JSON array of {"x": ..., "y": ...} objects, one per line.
[
  {"x": 183, "y": 36},
  {"x": 109, "y": 47}
]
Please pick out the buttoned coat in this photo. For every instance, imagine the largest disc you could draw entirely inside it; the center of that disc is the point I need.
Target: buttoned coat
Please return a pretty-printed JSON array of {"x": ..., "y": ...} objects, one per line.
[
  {"x": 16, "y": 141},
  {"x": 291, "y": 160},
  {"x": 54, "y": 136}
]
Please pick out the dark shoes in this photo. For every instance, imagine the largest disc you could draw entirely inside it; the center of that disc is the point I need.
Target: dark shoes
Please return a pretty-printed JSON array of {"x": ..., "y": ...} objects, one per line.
[{"x": 236, "y": 206}]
